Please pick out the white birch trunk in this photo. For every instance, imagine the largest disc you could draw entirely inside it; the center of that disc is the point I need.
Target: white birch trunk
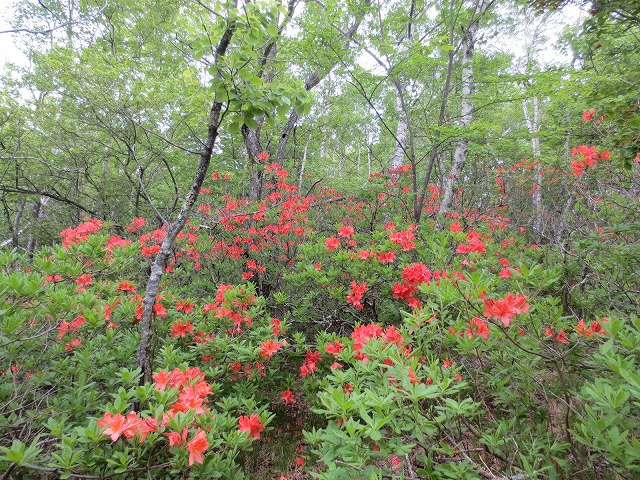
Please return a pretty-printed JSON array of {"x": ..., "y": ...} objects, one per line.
[
  {"x": 533, "y": 124},
  {"x": 304, "y": 161},
  {"x": 466, "y": 112},
  {"x": 397, "y": 157}
]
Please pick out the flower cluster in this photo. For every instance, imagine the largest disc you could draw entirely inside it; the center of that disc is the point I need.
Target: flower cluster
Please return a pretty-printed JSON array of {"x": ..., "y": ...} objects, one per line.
[
  {"x": 65, "y": 327},
  {"x": 269, "y": 347},
  {"x": 346, "y": 232},
  {"x": 232, "y": 305},
  {"x": 413, "y": 276},
  {"x": 129, "y": 426},
  {"x": 588, "y": 115},
  {"x": 251, "y": 424},
  {"x": 192, "y": 393},
  {"x": 405, "y": 239},
  {"x": 192, "y": 389},
  {"x": 363, "y": 333},
  {"x": 310, "y": 364},
  {"x": 80, "y": 234},
  {"x": 355, "y": 297},
  {"x": 584, "y": 156},
  {"x": 332, "y": 243},
  {"x": 473, "y": 244},
  {"x": 477, "y": 327},
  {"x": 136, "y": 224},
  {"x": 504, "y": 309}
]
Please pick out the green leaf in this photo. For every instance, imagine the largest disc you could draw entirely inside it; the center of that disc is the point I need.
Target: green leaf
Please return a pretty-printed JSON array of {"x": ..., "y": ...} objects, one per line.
[
  {"x": 250, "y": 122},
  {"x": 272, "y": 30}
]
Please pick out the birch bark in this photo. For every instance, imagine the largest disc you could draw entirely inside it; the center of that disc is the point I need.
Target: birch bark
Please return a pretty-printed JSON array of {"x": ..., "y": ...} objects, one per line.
[{"x": 466, "y": 109}]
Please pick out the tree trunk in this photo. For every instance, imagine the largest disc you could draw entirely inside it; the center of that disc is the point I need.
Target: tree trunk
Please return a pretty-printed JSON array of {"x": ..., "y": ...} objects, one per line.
[
  {"x": 254, "y": 148},
  {"x": 145, "y": 357},
  {"x": 15, "y": 229},
  {"x": 253, "y": 136},
  {"x": 398, "y": 155},
  {"x": 419, "y": 196},
  {"x": 460, "y": 153},
  {"x": 533, "y": 124},
  {"x": 37, "y": 213},
  {"x": 304, "y": 161}
]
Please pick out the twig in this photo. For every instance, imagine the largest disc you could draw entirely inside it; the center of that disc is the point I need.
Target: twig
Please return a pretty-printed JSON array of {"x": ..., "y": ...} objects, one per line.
[{"x": 409, "y": 467}]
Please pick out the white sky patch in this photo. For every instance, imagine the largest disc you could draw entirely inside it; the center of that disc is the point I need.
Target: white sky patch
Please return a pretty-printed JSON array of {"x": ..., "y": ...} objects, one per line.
[
  {"x": 9, "y": 51},
  {"x": 534, "y": 37}
]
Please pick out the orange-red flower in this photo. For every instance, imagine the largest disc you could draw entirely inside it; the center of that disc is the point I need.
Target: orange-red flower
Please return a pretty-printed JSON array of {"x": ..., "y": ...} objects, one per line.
[
  {"x": 196, "y": 446},
  {"x": 118, "y": 425},
  {"x": 562, "y": 337},
  {"x": 251, "y": 424},
  {"x": 126, "y": 287},
  {"x": 334, "y": 348},
  {"x": 332, "y": 243},
  {"x": 181, "y": 329},
  {"x": 186, "y": 307},
  {"x": 477, "y": 327},
  {"x": 582, "y": 330},
  {"x": 347, "y": 231},
  {"x": 355, "y": 296},
  {"x": 287, "y": 397},
  {"x": 505, "y": 308},
  {"x": 269, "y": 347}
]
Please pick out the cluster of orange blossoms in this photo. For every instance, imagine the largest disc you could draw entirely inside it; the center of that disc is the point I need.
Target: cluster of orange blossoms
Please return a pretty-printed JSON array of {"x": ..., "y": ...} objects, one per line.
[
  {"x": 584, "y": 156},
  {"x": 192, "y": 396},
  {"x": 505, "y": 308}
]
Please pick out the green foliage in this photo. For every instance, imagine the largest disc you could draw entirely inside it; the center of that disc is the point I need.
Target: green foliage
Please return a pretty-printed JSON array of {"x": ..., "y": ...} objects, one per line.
[{"x": 610, "y": 425}]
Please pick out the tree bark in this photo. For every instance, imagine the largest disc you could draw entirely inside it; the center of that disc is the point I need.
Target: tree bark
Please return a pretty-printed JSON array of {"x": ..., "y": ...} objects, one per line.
[
  {"x": 304, "y": 161},
  {"x": 419, "y": 196},
  {"x": 15, "y": 229},
  {"x": 466, "y": 112},
  {"x": 398, "y": 155},
  {"x": 533, "y": 125},
  {"x": 145, "y": 357},
  {"x": 37, "y": 213},
  {"x": 254, "y": 148}
]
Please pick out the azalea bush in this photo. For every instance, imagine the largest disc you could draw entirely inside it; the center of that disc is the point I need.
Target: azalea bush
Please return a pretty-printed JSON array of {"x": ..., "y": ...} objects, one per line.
[{"x": 332, "y": 331}]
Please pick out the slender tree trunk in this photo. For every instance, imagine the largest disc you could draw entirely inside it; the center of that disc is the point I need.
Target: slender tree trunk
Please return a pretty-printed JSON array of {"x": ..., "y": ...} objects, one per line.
[
  {"x": 257, "y": 178},
  {"x": 145, "y": 357},
  {"x": 15, "y": 229},
  {"x": 254, "y": 148},
  {"x": 398, "y": 155},
  {"x": 323, "y": 142},
  {"x": 419, "y": 196},
  {"x": 460, "y": 153},
  {"x": 37, "y": 213},
  {"x": 304, "y": 161},
  {"x": 466, "y": 111},
  {"x": 284, "y": 136},
  {"x": 533, "y": 124}
]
